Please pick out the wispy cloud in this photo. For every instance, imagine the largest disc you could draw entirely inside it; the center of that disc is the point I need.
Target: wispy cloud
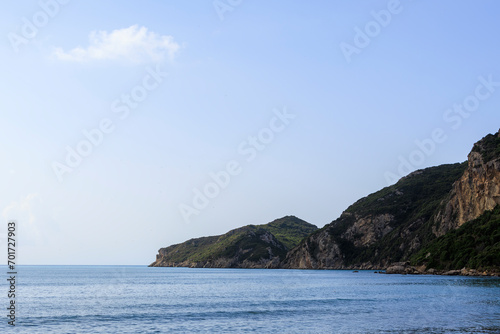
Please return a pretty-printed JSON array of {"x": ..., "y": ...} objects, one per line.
[{"x": 135, "y": 44}]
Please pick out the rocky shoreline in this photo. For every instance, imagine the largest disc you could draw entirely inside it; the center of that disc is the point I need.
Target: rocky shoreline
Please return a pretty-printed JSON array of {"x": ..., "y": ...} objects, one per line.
[
  {"x": 222, "y": 263},
  {"x": 398, "y": 268},
  {"x": 404, "y": 268}
]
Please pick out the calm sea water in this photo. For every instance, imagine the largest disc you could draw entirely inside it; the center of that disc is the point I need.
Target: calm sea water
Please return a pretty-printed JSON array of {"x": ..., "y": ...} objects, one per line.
[{"x": 134, "y": 299}]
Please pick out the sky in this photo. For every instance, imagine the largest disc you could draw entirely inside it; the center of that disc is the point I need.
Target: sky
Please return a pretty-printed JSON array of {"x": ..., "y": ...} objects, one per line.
[{"x": 128, "y": 126}]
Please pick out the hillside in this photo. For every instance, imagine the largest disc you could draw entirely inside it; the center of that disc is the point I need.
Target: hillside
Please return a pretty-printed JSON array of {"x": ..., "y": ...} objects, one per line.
[
  {"x": 384, "y": 227},
  {"x": 395, "y": 223},
  {"x": 475, "y": 245},
  {"x": 439, "y": 218},
  {"x": 252, "y": 246}
]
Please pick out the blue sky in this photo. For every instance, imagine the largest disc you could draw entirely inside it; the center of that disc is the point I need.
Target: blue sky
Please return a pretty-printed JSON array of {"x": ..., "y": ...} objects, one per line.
[{"x": 263, "y": 94}]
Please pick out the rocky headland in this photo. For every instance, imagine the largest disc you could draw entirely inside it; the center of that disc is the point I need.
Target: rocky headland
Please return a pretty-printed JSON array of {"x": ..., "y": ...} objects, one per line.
[{"x": 438, "y": 220}]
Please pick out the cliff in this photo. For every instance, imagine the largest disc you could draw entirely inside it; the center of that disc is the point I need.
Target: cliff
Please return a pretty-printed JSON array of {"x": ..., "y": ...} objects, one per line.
[
  {"x": 395, "y": 223},
  {"x": 384, "y": 227},
  {"x": 261, "y": 246},
  {"x": 477, "y": 191},
  {"x": 442, "y": 219}
]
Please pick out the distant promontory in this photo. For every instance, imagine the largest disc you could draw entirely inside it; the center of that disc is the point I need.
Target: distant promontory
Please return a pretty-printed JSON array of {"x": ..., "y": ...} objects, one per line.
[{"x": 252, "y": 246}]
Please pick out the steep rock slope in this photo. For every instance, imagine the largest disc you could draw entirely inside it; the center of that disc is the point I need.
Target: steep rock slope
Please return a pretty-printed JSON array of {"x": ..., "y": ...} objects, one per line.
[
  {"x": 393, "y": 224},
  {"x": 478, "y": 190},
  {"x": 384, "y": 227}
]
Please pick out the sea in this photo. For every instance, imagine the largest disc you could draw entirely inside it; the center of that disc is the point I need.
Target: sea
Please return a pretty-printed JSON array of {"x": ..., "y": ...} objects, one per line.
[{"x": 138, "y": 299}]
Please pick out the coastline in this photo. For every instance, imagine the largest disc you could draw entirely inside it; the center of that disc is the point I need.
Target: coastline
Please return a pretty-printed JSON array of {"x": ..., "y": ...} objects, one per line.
[
  {"x": 404, "y": 268},
  {"x": 399, "y": 268}
]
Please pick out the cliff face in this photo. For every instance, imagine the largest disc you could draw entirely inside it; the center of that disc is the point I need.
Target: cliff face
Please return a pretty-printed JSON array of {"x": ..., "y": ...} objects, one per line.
[
  {"x": 477, "y": 191},
  {"x": 393, "y": 224},
  {"x": 329, "y": 250},
  {"x": 319, "y": 251},
  {"x": 261, "y": 246}
]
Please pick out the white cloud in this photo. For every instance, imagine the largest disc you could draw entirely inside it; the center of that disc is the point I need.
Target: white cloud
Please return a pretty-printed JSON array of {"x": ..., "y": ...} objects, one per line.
[{"x": 135, "y": 44}]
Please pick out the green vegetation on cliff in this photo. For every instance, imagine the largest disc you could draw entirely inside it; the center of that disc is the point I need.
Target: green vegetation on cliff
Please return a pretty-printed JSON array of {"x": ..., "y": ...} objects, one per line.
[
  {"x": 289, "y": 230},
  {"x": 249, "y": 243},
  {"x": 414, "y": 196},
  {"x": 489, "y": 147},
  {"x": 475, "y": 245},
  {"x": 412, "y": 202}
]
